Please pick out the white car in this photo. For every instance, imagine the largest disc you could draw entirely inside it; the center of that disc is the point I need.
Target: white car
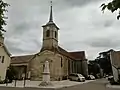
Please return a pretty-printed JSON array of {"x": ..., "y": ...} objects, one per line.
[
  {"x": 76, "y": 77},
  {"x": 110, "y": 77},
  {"x": 91, "y": 77}
]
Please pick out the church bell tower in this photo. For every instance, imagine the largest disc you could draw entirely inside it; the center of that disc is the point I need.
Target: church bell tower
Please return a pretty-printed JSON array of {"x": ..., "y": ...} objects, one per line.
[{"x": 50, "y": 33}]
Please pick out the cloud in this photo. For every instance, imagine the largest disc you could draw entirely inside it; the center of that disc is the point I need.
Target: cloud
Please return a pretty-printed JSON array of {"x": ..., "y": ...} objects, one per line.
[
  {"x": 82, "y": 26},
  {"x": 103, "y": 42},
  {"x": 79, "y": 2}
]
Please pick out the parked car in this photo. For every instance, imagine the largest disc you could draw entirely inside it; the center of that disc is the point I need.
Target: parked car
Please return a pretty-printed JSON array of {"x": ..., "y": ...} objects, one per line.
[
  {"x": 112, "y": 82},
  {"x": 91, "y": 77},
  {"x": 107, "y": 75},
  {"x": 76, "y": 77},
  {"x": 110, "y": 78}
]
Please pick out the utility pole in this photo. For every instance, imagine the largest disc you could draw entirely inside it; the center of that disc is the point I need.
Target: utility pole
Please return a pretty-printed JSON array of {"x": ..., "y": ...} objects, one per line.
[{"x": 15, "y": 81}]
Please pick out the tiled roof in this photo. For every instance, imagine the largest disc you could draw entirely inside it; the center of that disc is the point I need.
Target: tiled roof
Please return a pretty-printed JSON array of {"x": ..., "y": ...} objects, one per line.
[
  {"x": 6, "y": 50},
  {"x": 21, "y": 59},
  {"x": 4, "y": 46},
  {"x": 80, "y": 55},
  {"x": 64, "y": 52}
]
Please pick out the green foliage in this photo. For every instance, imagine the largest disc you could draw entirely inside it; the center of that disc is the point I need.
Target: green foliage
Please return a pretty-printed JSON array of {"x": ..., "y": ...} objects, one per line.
[
  {"x": 3, "y": 6},
  {"x": 112, "y": 6},
  {"x": 104, "y": 61}
]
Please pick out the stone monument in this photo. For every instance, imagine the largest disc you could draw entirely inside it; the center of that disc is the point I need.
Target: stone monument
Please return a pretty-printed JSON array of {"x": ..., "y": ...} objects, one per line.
[{"x": 46, "y": 75}]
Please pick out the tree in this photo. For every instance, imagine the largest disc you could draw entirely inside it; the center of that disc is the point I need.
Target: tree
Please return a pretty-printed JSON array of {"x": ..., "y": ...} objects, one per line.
[
  {"x": 112, "y": 6},
  {"x": 3, "y": 6},
  {"x": 11, "y": 73},
  {"x": 104, "y": 61},
  {"x": 93, "y": 68}
]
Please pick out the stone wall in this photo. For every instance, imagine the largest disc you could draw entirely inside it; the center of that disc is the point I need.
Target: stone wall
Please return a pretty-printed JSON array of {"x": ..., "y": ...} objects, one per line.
[
  {"x": 84, "y": 68},
  {"x": 55, "y": 60}
]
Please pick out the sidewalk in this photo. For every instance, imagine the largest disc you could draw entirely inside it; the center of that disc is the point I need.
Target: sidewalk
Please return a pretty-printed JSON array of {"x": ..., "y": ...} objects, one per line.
[
  {"x": 55, "y": 84},
  {"x": 113, "y": 86}
]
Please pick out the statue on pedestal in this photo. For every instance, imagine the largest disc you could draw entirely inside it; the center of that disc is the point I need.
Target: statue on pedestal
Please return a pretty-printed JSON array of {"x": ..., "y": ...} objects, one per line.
[{"x": 46, "y": 75}]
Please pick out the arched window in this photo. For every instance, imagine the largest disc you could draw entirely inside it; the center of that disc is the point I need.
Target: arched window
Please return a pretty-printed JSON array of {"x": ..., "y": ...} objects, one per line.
[
  {"x": 55, "y": 34},
  {"x": 47, "y": 33},
  {"x": 43, "y": 66}
]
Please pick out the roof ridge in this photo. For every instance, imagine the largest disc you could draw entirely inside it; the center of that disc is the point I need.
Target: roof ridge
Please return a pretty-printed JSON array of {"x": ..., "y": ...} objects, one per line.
[
  {"x": 23, "y": 55},
  {"x": 75, "y": 51},
  {"x": 6, "y": 50}
]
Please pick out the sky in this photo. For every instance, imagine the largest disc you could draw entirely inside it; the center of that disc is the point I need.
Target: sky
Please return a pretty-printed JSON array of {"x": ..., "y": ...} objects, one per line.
[{"x": 83, "y": 27}]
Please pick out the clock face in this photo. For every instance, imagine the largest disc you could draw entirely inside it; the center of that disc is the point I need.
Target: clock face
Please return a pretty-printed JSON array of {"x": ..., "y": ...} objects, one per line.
[{"x": 48, "y": 27}]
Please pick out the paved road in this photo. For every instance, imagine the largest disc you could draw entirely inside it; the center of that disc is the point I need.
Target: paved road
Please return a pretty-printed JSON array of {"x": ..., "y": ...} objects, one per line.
[{"x": 95, "y": 85}]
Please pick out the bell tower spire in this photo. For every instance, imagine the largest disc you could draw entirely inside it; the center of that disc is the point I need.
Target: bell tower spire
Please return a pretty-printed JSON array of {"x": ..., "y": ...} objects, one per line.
[
  {"x": 50, "y": 33},
  {"x": 51, "y": 16}
]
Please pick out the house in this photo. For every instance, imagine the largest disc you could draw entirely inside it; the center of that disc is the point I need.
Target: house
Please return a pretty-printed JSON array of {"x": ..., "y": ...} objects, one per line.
[
  {"x": 115, "y": 62},
  {"x": 61, "y": 62},
  {"x": 4, "y": 59}
]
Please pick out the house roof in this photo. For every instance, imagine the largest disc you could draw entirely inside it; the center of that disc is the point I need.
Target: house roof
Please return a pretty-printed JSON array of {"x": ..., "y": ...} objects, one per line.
[
  {"x": 3, "y": 46},
  {"x": 21, "y": 59},
  {"x": 78, "y": 55},
  {"x": 6, "y": 50}
]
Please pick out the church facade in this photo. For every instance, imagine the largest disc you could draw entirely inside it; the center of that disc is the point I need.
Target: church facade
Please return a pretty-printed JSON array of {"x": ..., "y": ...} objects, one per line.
[{"x": 61, "y": 62}]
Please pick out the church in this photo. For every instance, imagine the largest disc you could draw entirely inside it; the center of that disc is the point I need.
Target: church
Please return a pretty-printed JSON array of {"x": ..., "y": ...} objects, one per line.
[{"x": 61, "y": 62}]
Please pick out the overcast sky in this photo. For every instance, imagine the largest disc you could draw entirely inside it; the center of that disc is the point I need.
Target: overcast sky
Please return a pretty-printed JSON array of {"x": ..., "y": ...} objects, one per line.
[{"x": 83, "y": 27}]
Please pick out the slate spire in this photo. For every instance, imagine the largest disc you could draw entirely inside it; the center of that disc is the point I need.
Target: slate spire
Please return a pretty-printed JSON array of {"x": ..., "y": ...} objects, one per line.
[{"x": 51, "y": 16}]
